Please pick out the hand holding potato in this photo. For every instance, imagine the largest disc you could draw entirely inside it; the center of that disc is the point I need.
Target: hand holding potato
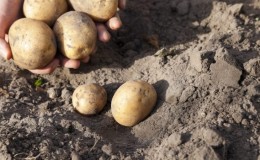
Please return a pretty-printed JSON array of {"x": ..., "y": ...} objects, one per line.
[
  {"x": 113, "y": 23},
  {"x": 53, "y": 9},
  {"x": 32, "y": 42},
  {"x": 10, "y": 10},
  {"x": 7, "y": 17},
  {"x": 76, "y": 35}
]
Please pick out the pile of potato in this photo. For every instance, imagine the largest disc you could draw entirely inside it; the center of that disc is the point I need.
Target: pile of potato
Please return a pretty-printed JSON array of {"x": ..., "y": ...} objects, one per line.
[{"x": 50, "y": 27}]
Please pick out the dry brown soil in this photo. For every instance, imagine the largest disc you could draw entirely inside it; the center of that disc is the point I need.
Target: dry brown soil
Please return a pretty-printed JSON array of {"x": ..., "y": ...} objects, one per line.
[{"x": 202, "y": 57}]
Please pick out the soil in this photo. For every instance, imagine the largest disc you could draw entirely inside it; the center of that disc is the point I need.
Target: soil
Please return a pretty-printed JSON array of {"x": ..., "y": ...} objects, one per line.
[{"x": 201, "y": 56}]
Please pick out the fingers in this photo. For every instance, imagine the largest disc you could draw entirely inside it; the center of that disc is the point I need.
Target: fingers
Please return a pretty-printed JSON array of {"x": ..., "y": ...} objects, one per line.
[
  {"x": 5, "y": 50},
  {"x": 114, "y": 23},
  {"x": 122, "y": 4},
  {"x": 48, "y": 69},
  {"x": 65, "y": 62},
  {"x": 103, "y": 34},
  {"x": 69, "y": 63}
]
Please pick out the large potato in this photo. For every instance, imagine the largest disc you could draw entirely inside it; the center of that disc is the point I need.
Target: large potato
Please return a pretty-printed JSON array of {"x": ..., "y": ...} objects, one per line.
[
  {"x": 89, "y": 99},
  {"x": 99, "y": 10},
  {"x": 32, "y": 43},
  {"x": 132, "y": 102},
  {"x": 76, "y": 35},
  {"x": 47, "y": 11}
]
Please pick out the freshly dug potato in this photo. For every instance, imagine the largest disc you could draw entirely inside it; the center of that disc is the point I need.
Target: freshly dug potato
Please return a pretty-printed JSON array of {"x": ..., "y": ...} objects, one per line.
[
  {"x": 47, "y": 11},
  {"x": 76, "y": 35},
  {"x": 132, "y": 102},
  {"x": 32, "y": 43},
  {"x": 89, "y": 99},
  {"x": 99, "y": 10}
]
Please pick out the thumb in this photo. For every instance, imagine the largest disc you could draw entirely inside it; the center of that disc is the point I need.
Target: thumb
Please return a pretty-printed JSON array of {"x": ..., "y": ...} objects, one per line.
[{"x": 5, "y": 50}]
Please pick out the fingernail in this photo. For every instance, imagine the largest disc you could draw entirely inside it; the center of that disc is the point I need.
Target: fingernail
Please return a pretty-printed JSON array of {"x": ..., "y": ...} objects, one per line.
[
  {"x": 73, "y": 64},
  {"x": 105, "y": 37}
]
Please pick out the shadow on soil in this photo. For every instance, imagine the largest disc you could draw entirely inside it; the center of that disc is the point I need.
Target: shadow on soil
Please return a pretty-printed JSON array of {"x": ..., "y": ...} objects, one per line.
[
  {"x": 151, "y": 25},
  {"x": 148, "y": 26}
]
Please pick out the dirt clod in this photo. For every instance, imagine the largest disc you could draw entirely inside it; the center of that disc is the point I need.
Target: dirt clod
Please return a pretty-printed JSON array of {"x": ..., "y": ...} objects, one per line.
[{"x": 201, "y": 56}]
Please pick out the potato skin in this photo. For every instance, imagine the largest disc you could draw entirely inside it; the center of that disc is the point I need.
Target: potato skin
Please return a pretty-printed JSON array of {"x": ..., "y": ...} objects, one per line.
[
  {"x": 47, "y": 11},
  {"x": 76, "y": 35},
  {"x": 32, "y": 43},
  {"x": 89, "y": 99},
  {"x": 132, "y": 102},
  {"x": 99, "y": 10}
]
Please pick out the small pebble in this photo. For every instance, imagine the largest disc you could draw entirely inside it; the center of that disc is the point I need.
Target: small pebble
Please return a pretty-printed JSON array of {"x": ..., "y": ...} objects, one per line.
[
  {"x": 245, "y": 122},
  {"x": 65, "y": 94},
  {"x": 204, "y": 153},
  {"x": 220, "y": 121},
  {"x": 237, "y": 117},
  {"x": 228, "y": 127},
  {"x": 114, "y": 157},
  {"x": 195, "y": 24},
  {"x": 75, "y": 156},
  {"x": 203, "y": 114},
  {"x": 52, "y": 93},
  {"x": 102, "y": 158},
  {"x": 212, "y": 138},
  {"x": 175, "y": 139},
  {"x": 107, "y": 149}
]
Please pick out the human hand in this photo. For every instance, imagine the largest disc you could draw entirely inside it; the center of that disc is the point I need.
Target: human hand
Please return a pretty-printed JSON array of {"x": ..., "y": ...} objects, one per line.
[
  {"x": 113, "y": 23},
  {"x": 9, "y": 12},
  {"x": 8, "y": 16}
]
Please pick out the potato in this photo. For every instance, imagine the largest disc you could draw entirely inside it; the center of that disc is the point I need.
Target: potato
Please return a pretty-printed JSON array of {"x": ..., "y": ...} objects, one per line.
[
  {"x": 132, "y": 102},
  {"x": 99, "y": 10},
  {"x": 76, "y": 35},
  {"x": 89, "y": 99},
  {"x": 47, "y": 11},
  {"x": 32, "y": 43}
]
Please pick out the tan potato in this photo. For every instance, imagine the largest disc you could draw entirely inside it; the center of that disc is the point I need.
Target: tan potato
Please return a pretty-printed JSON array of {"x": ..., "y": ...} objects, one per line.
[
  {"x": 99, "y": 10},
  {"x": 89, "y": 99},
  {"x": 76, "y": 35},
  {"x": 47, "y": 11},
  {"x": 32, "y": 43},
  {"x": 133, "y": 102}
]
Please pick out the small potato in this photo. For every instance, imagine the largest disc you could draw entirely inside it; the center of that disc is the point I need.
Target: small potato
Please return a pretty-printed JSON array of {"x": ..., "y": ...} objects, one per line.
[
  {"x": 89, "y": 99},
  {"x": 133, "y": 102},
  {"x": 99, "y": 10},
  {"x": 47, "y": 11},
  {"x": 76, "y": 35},
  {"x": 32, "y": 43}
]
